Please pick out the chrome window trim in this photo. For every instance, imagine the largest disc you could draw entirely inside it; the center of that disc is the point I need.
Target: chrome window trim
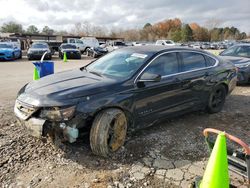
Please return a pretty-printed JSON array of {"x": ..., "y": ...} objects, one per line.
[{"x": 176, "y": 51}]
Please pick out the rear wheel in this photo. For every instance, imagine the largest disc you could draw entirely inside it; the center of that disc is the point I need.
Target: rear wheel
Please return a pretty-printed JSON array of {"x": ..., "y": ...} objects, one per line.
[
  {"x": 108, "y": 132},
  {"x": 217, "y": 99}
]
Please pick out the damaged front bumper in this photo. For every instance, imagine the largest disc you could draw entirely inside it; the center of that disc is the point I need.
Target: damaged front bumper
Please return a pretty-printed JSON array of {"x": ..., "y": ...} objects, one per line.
[{"x": 40, "y": 127}]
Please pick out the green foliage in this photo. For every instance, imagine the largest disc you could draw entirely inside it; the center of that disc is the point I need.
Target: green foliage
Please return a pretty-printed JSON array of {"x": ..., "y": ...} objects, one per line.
[
  {"x": 12, "y": 27},
  {"x": 186, "y": 33},
  {"x": 32, "y": 30},
  {"x": 46, "y": 30}
]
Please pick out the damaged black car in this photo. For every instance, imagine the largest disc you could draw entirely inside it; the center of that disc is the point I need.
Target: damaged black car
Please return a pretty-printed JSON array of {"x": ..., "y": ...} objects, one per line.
[{"x": 128, "y": 89}]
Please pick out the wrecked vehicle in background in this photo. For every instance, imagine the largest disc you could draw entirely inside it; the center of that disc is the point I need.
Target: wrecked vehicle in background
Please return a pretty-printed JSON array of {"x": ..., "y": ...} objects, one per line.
[
  {"x": 127, "y": 89},
  {"x": 239, "y": 55}
]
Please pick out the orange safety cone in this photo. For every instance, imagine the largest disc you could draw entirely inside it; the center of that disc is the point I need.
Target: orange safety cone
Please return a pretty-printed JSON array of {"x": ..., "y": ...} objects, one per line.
[{"x": 216, "y": 174}]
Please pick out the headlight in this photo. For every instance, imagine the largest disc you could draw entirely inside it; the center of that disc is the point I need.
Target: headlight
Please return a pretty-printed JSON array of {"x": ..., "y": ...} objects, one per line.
[
  {"x": 243, "y": 65},
  {"x": 57, "y": 113}
]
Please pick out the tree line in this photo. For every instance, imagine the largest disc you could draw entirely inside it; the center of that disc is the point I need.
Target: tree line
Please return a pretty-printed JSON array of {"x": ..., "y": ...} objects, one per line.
[{"x": 173, "y": 29}]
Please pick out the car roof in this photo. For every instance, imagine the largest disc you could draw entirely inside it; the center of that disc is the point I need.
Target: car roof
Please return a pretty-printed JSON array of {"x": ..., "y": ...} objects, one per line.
[
  {"x": 242, "y": 44},
  {"x": 153, "y": 49}
]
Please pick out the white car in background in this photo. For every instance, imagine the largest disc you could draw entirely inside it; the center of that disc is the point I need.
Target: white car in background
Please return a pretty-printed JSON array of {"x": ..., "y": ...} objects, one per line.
[
  {"x": 165, "y": 42},
  {"x": 76, "y": 42},
  {"x": 90, "y": 42},
  {"x": 116, "y": 44}
]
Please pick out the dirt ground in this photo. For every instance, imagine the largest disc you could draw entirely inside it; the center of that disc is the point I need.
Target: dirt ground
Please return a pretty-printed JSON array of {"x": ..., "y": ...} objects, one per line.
[{"x": 170, "y": 154}]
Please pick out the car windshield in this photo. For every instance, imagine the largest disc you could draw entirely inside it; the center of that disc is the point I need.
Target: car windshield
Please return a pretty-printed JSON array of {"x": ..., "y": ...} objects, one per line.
[
  {"x": 237, "y": 51},
  {"x": 5, "y": 46},
  {"x": 68, "y": 46},
  {"x": 121, "y": 64},
  {"x": 39, "y": 46}
]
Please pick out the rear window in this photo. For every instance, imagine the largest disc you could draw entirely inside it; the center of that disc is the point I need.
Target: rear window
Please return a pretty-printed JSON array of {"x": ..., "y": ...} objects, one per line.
[
  {"x": 192, "y": 61},
  {"x": 210, "y": 61}
]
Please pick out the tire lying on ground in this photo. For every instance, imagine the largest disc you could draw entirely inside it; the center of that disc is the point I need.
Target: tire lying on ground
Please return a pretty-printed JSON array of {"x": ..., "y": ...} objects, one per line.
[
  {"x": 108, "y": 132},
  {"x": 217, "y": 99}
]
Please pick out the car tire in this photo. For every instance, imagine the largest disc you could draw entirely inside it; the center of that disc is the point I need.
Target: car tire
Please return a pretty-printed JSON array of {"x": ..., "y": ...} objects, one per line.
[
  {"x": 217, "y": 99},
  {"x": 108, "y": 132},
  {"x": 79, "y": 56}
]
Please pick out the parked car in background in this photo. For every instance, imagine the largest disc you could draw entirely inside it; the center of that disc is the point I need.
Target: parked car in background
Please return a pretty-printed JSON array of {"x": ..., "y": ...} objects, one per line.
[
  {"x": 90, "y": 42},
  {"x": 8, "y": 51},
  {"x": 77, "y": 42},
  {"x": 214, "y": 46},
  {"x": 196, "y": 46},
  {"x": 129, "y": 88},
  {"x": 205, "y": 46},
  {"x": 239, "y": 55},
  {"x": 222, "y": 46},
  {"x": 37, "y": 50},
  {"x": 116, "y": 44},
  {"x": 71, "y": 51},
  {"x": 96, "y": 51},
  {"x": 165, "y": 42}
]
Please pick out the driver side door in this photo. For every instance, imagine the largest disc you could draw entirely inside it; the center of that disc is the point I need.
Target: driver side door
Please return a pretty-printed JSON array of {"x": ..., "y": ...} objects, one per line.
[{"x": 154, "y": 100}]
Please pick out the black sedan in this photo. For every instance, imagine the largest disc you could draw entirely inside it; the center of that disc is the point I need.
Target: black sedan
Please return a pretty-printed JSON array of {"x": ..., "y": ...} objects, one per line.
[
  {"x": 71, "y": 51},
  {"x": 96, "y": 51},
  {"x": 239, "y": 55},
  {"x": 38, "y": 49},
  {"x": 130, "y": 88}
]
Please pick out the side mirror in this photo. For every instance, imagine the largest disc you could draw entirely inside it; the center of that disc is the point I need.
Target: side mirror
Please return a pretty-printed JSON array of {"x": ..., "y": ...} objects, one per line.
[{"x": 148, "y": 77}]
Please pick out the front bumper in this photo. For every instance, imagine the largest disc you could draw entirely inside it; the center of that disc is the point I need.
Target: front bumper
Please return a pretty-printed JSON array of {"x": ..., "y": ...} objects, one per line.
[
  {"x": 72, "y": 55},
  {"x": 6, "y": 57},
  {"x": 38, "y": 56},
  {"x": 38, "y": 127}
]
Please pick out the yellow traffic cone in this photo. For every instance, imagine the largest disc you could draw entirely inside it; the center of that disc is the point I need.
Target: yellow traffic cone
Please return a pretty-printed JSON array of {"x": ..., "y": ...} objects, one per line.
[
  {"x": 216, "y": 173},
  {"x": 64, "y": 57},
  {"x": 35, "y": 74}
]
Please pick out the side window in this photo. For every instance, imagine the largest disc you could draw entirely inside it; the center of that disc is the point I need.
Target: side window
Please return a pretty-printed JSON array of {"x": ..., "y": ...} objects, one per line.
[
  {"x": 164, "y": 65},
  {"x": 210, "y": 61},
  {"x": 192, "y": 61},
  {"x": 230, "y": 51}
]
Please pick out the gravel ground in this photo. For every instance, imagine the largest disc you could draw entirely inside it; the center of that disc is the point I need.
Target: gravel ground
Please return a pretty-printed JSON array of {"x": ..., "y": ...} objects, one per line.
[{"x": 170, "y": 154}]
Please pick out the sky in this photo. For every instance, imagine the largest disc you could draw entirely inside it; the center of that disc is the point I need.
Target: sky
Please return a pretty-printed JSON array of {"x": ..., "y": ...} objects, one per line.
[{"x": 126, "y": 14}]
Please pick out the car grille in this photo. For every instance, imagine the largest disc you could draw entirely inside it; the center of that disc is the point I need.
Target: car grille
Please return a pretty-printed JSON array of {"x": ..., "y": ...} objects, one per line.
[
  {"x": 39, "y": 52},
  {"x": 24, "y": 111}
]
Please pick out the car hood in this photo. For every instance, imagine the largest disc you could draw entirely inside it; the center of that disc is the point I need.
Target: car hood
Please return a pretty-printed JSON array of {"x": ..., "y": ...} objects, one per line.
[
  {"x": 64, "y": 88},
  {"x": 70, "y": 50},
  {"x": 38, "y": 49},
  {"x": 236, "y": 60},
  {"x": 6, "y": 50}
]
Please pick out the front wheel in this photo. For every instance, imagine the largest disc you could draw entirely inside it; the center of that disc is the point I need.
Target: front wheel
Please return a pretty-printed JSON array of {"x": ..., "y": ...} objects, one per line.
[
  {"x": 108, "y": 132},
  {"x": 217, "y": 99}
]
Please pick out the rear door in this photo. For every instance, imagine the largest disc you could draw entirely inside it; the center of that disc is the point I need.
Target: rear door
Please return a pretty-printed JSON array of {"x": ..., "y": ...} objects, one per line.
[{"x": 195, "y": 77}]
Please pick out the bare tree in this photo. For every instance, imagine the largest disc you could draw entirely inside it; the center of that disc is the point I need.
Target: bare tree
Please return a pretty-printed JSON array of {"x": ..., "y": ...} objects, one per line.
[{"x": 213, "y": 23}]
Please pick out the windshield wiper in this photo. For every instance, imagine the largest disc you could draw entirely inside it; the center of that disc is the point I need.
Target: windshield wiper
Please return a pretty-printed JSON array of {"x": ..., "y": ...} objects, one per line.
[{"x": 96, "y": 73}]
